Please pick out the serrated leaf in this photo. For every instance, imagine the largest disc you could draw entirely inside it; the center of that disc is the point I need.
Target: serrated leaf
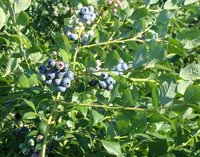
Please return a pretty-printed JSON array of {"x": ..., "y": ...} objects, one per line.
[
  {"x": 112, "y": 148},
  {"x": 190, "y": 72},
  {"x": 192, "y": 95}
]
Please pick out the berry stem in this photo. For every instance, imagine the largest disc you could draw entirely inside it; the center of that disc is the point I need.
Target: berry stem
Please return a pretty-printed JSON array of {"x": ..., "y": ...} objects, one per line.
[{"x": 43, "y": 151}]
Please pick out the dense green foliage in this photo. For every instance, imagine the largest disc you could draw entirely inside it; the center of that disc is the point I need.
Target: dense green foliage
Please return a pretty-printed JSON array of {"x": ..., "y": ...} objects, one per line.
[{"x": 153, "y": 109}]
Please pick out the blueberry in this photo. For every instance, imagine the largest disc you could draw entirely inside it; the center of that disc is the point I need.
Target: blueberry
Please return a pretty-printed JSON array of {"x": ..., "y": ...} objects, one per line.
[
  {"x": 93, "y": 83},
  {"x": 39, "y": 137},
  {"x": 84, "y": 42},
  {"x": 119, "y": 67},
  {"x": 54, "y": 53},
  {"x": 86, "y": 18},
  {"x": 102, "y": 84},
  {"x": 84, "y": 10},
  {"x": 31, "y": 142},
  {"x": 57, "y": 81},
  {"x": 110, "y": 80},
  {"x": 121, "y": 61},
  {"x": 42, "y": 77},
  {"x": 68, "y": 29},
  {"x": 110, "y": 87},
  {"x": 51, "y": 63},
  {"x": 92, "y": 16},
  {"x": 60, "y": 65},
  {"x": 91, "y": 33},
  {"x": 73, "y": 36},
  {"x": 91, "y": 8},
  {"x": 48, "y": 82},
  {"x": 155, "y": 36},
  {"x": 84, "y": 37},
  {"x": 34, "y": 155},
  {"x": 66, "y": 82},
  {"x": 60, "y": 74},
  {"x": 70, "y": 75},
  {"x": 50, "y": 75},
  {"x": 124, "y": 66},
  {"x": 61, "y": 89},
  {"x": 24, "y": 130},
  {"x": 104, "y": 75},
  {"x": 42, "y": 68}
]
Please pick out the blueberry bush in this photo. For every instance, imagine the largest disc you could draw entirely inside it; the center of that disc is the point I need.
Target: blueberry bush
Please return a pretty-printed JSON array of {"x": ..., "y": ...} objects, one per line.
[{"x": 100, "y": 78}]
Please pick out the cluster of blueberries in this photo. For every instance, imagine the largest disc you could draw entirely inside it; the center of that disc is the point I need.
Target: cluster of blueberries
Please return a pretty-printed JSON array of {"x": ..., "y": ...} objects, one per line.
[
  {"x": 122, "y": 66},
  {"x": 57, "y": 73},
  {"x": 115, "y": 5},
  {"x": 85, "y": 15}
]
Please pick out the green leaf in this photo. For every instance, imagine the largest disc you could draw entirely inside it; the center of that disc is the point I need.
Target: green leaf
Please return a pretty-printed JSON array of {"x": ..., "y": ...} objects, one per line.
[
  {"x": 91, "y": 61},
  {"x": 112, "y": 148},
  {"x": 97, "y": 117},
  {"x": 112, "y": 59},
  {"x": 30, "y": 103},
  {"x": 189, "y": 35},
  {"x": 23, "y": 81},
  {"x": 139, "y": 13},
  {"x": 66, "y": 56},
  {"x": 29, "y": 115},
  {"x": 158, "y": 143},
  {"x": 2, "y": 18},
  {"x": 192, "y": 95},
  {"x": 155, "y": 97},
  {"x": 169, "y": 4},
  {"x": 189, "y": 2},
  {"x": 164, "y": 16},
  {"x": 190, "y": 72},
  {"x": 21, "y": 5},
  {"x": 127, "y": 98},
  {"x": 42, "y": 127},
  {"x": 140, "y": 57},
  {"x": 167, "y": 92},
  {"x": 182, "y": 86},
  {"x": 22, "y": 19}
]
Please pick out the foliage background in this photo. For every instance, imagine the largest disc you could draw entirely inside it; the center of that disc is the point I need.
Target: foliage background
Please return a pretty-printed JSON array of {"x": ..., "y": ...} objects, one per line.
[{"x": 153, "y": 109}]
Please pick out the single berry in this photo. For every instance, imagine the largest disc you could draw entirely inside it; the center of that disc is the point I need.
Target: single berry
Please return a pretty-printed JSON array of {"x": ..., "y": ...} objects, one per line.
[
  {"x": 42, "y": 68},
  {"x": 102, "y": 84},
  {"x": 61, "y": 89},
  {"x": 34, "y": 155},
  {"x": 110, "y": 80},
  {"x": 66, "y": 82},
  {"x": 114, "y": 10},
  {"x": 121, "y": 61},
  {"x": 84, "y": 37},
  {"x": 54, "y": 53},
  {"x": 57, "y": 81},
  {"x": 70, "y": 75},
  {"x": 92, "y": 16},
  {"x": 60, "y": 65},
  {"x": 73, "y": 36},
  {"x": 124, "y": 66},
  {"x": 31, "y": 142},
  {"x": 39, "y": 137},
  {"x": 110, "y": 87},
  {"x": 86, "y": 18},
  {"x": 60, "y": 74},
  {"x": 51, "y": 63},
  {"x": 66, "y": 67},
  {"x": 50, "y": 75},
  {"x": 104, "y": 75},
  {"x": 119, "y": 67},
  {"x": 93, "y": 83},
  {"x": 42, "y": 77},
  {"x": 84, "y": 10},
  {"x": 68, "y": 29},
  {"x": 48, "y": 82},
  {"x": 24, "y": 130},
  {"x": 91, "y": 8}
]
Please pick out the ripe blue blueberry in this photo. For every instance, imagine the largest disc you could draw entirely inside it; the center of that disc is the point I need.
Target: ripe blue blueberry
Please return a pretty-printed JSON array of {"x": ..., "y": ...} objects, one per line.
[
  {"x": 42, "y": 68},
  {"x": 51, "y": 63},
  {"x": 48, "y": 82},
  {"x": 93, "y": 83},
  {"x": 86, "y": 18},
  {"x": 110, "y": 87},
  {"x": 70, "y": 75},
  {"x": 102, "y": 84},
  {"x": 60, "y": 74},
  {"x": 91, "y": 8},
  {"x": 119, "y": 67},
  {"x": 66, "y": 82},
  {"x": 84, "y": 10},
  {"x": 50, "y": 75},
  {"x": 66, "y": 66},
  {"x": 92, "y": 16},
  {"x": 73, "y": 36},
  {"x": 110, "y": 80},
  {"x": 124, "y": 66},
  {"x": 61, "y": 89},
  {"x": 104, "y": 75},
  {"x": 57, "y": 81}
]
